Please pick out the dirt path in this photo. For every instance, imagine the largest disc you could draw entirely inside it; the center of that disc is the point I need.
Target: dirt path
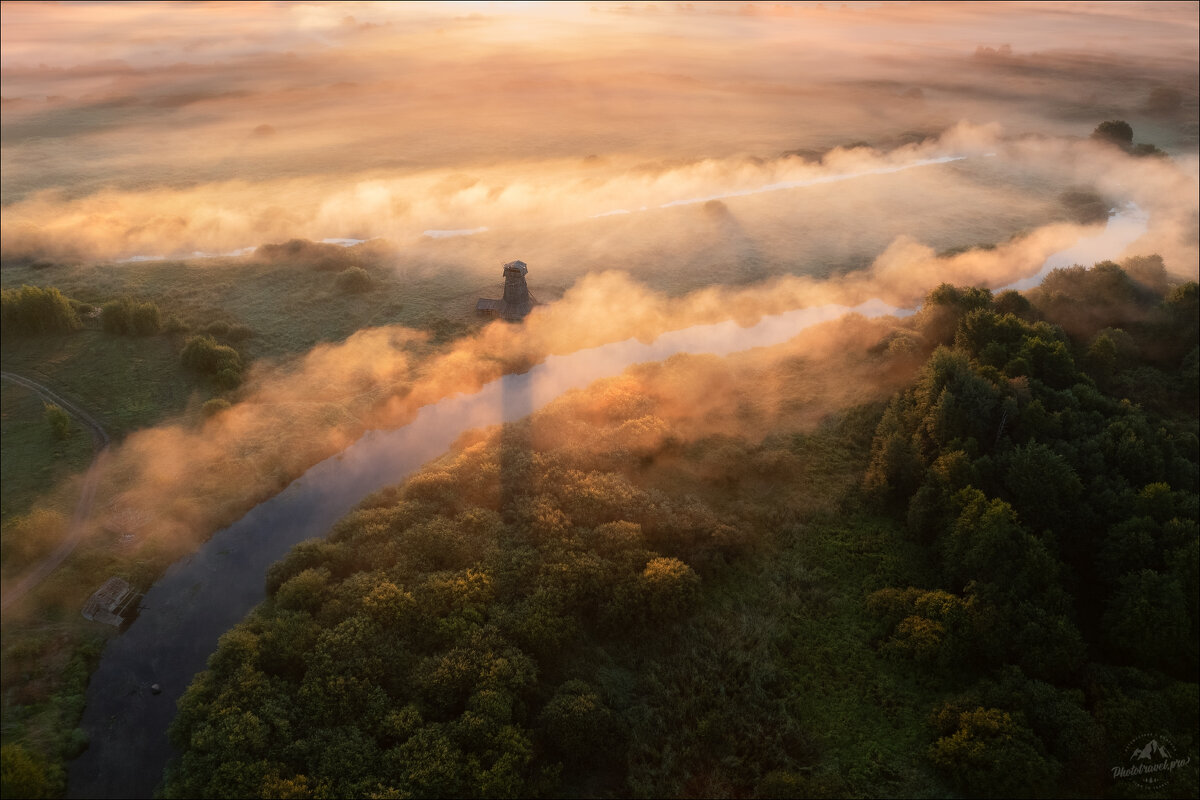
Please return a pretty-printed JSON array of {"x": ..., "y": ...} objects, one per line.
[{"x": 38, "y": 572}]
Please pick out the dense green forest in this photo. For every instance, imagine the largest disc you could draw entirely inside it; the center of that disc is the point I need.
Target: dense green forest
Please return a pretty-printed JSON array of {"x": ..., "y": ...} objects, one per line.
[{"x": 987, "y": 585}]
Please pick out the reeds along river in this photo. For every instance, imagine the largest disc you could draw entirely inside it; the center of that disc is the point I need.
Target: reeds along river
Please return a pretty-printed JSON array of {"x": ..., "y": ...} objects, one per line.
[{"x": 203, "y": 595}]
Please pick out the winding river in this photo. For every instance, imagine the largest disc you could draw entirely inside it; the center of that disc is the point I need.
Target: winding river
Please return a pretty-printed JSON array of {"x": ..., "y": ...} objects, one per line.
[{"x": 202, "y": 596}]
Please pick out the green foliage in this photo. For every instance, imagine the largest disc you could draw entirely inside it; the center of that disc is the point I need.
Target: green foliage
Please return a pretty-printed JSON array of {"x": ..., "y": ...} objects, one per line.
[
  {"x": 1085, "y": 301},
  {"x": 1086, "y": 208},
  {"x": 230, "y": 332},
  {"x": 670, "y": 587},
  {"x": 1148, "y": 619},
  {"x": 303, "y": 252},
  {"x": 219, "y": 361},
  {"x": 354, "y": 280},
  {"x": 1013, "y": 302},
  {"x": 215, "y": 406},
  {"x": 31, "y": 310},
  {"x": 129, "y": 317},
  {"x": 1114, "y": 131},
  {"x": 578, "y": 725},
  {"x": 986, "y": 753},
  {"x": 58, "y": 420},
  {"x": 931, "y": 627},
  {"x": 1040, "y": 494},
  {"x": 23, "y": 774},
  {"x": 1147, "y": 150},
  {"x": 1041, "y": 483}
]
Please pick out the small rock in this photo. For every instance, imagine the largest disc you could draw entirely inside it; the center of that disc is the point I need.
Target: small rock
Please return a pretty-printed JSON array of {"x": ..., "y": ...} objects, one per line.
[{"x": 155, "y": 689}]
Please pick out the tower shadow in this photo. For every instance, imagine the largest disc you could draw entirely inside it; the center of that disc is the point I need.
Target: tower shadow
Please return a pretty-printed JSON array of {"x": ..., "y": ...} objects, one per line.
[{"x": 516, "y": 445}]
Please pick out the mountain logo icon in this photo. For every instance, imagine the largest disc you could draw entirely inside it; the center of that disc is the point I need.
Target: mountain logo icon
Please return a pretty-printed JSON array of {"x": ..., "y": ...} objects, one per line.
[{"x": 1152, "y": 750}]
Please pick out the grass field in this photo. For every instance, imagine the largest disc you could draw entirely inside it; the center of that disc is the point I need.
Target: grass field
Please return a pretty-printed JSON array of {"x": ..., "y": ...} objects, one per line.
[
  {"x": 131, "y": 383},
  {"x": 126, "y": 383},
  {"x": 33, "y": 458},
  {"x": 288, "y": 309}
]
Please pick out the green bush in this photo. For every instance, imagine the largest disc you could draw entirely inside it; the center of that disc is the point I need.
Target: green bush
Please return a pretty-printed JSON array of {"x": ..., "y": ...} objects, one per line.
[
  {"x": 1114, "y": 131},
  {"x": 23, "y": 774},
  {"x": 128, "y": 317},
  {"x": 354, "y": 280},
  {"x": 1144, "y": 149},
  {"x": 1085, "y": 207},
  {"x": 59, "y": 421},
  {"x": 218, "y": 361},
  {"x": 174, "y": 324},
  {"x": 215, "y": 406},
  {"x": 33, "y": 310}
]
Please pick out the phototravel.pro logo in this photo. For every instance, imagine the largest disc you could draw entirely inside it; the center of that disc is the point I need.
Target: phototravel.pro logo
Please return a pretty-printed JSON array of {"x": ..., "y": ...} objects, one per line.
[{"x": 1149, "y": 761}]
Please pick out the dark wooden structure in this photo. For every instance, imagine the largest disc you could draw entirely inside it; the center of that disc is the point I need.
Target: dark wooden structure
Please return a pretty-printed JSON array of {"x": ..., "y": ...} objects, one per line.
[
  {"x": 109, "y": 603},
  {"x": 517, "y": 301}
]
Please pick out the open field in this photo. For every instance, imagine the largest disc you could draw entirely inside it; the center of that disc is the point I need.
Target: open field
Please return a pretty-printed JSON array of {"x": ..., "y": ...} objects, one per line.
[{"x": 33, "y": 458}]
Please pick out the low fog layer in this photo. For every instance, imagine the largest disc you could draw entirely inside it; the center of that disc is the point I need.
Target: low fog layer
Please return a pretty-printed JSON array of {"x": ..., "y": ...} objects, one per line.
[
  {"x": 141, "y": 130},
  {"x": 171, "y": 485}
]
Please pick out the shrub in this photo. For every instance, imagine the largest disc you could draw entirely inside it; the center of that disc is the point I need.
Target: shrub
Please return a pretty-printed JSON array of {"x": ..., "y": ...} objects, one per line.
[
  {"x": 1114, "y": 131},
  {"x": 354, "y": 280},
  {"x": 228, "y": 331},
  {"x": 302, "y": 252},
  {"x": 228, "y": 378},
  {"x": 32, "y": 310},
  {"x": 59, "y": 421},
  {"x": 215, "y": 406},
  {"x": 1145, "y": 149},
  {"x": 1085, "y": 207},
  {"x": 128, "y": 317},
  {"x": 23, "y": 774},
  {"x": 218, "y": 361}
]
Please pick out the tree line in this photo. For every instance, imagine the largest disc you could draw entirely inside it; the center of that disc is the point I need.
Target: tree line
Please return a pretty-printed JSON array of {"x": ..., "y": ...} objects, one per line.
[{"x": 1059, "y": 522}]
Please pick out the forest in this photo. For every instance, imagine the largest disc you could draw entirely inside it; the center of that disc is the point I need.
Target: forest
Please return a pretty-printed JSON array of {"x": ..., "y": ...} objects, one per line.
[{"x": 982, "y": 580}]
